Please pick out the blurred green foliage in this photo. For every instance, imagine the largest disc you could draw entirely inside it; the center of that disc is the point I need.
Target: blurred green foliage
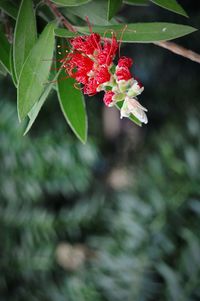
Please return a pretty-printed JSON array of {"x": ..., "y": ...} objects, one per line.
[{"x": 133, "y": 245}]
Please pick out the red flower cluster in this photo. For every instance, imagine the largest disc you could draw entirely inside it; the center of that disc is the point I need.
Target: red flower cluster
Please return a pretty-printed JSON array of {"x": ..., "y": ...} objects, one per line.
[
  {"x": 89, "y": 61},
  {"x": 108, "y": 98},
  {"x": 122, "y": 69}
]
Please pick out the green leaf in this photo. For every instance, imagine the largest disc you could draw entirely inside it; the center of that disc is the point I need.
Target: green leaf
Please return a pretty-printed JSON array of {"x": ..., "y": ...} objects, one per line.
[
  {"x": 137, "y": 2},
  {"x": 72, "y": 105},
  {"x": 171, "y": 5},
  {"x": 3, "y": 71},
  {"x": 4, "y": 51},
  {"x": 113, "y": 7},
  {"x": 132, "y": 117},
  {"x": 12, "y": 69},
  {"x": 25, "y": 35},
  {"x": 143, "y": 32},
  {"x": 9, "y": 8},
  {"x": 96, "y": 11},
  {"x": 70, "y": 2},
  {"x": 32, "y": 115},
  {"x": 37, "y": 107},
  {"x": 64, "y": 33},
  {"x": 35, "y": 71}
]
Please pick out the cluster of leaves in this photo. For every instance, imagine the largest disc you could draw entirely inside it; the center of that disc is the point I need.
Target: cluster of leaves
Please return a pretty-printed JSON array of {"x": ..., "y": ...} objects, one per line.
[{"x": 28, "y": 59}]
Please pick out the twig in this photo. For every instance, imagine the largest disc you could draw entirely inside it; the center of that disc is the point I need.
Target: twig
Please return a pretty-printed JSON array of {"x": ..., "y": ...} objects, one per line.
[
  {"x": 173, "y": 47},
  {"x": 60, "y": 17}
]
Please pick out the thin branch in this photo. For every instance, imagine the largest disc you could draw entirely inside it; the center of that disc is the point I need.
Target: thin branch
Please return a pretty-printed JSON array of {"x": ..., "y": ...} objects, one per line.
[
  {"x": 60, "y": 17},
  {"x": 173, "y": 47}
]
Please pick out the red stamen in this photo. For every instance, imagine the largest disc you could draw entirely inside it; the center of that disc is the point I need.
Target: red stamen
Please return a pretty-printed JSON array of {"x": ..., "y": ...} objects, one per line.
[
  {"x": 111, "y": 48},
  {"x": 121, "y": 36},
  {"x": 89, "y": 24}
]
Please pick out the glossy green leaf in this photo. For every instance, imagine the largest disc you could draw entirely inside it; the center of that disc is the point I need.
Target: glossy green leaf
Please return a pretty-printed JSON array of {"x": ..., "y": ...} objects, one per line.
[
  {"x": 4, "y": 50},
  {"x": 35, "y": 71},
  {"x": 73, "y": 106},
  {"x": 12, "y": 69},
  {"x": 70, "y": 2},
  {"x": 32, "y": 115},
  {"x": 9, "y": 8},
  {"x": 171, "y": 5},
  {"x": 25, "y": 35},
  {"x": 64, "y": 33},
  {"x": 96, "y": 11},
  {"x": 113, "y": 7},
  {"x": 132, "y": 117},
  {"x": 143, "y": 32},
  {"x": 137, "y": 2}
]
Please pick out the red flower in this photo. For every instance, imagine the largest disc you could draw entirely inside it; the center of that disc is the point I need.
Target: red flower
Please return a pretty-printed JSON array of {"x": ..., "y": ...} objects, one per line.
[
  {"x": 103, "y": 50},
  {"x": 108, "y": 97},
  {"x": 122, "y": 70},
  {"x": 90, "y": 87},
  {"x": 108, "y": 52},
  {"x": 123, "y": 73},
  {"x": 89, "y": 60},
  {"x": 76, "y": 61},
  {"x": 100, "y": 76},
  {"x": 86, "y": 44},
  {"x": 125, "y": 62},
  {"x": 78, "y": 66}
]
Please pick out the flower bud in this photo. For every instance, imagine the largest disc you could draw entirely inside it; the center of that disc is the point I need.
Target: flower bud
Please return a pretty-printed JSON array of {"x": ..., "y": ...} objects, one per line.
[{"x": 132, "y": 106}]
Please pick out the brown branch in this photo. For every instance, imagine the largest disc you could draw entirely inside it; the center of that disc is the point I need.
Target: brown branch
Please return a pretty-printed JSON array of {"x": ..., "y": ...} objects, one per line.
[
  {"x": 60, "y": 17},
  {"x": 173, "y": 47}
]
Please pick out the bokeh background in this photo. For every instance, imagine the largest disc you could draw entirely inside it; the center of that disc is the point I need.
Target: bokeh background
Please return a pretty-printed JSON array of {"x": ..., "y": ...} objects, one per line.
[{"x": 118, "y": 218}]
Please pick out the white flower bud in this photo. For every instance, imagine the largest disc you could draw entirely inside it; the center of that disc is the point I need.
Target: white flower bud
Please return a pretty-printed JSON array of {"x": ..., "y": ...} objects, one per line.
[{"x": 132, "y": 106}]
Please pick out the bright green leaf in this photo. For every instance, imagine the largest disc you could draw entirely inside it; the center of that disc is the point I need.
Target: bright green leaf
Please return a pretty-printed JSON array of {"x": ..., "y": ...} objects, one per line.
[
  {"x": 12, "y": 69},
  {"x": 25, "y": 35},
  {"x": 136, "y": 2},
  {"x": 72, "y": 105},
  {"x": 171, "y": 5},
  {"x": 70, "y": 2},
  {"x": 64, "y": 33},
  {"x": 132, "y": 117},
  {"x": 35, "y": 71},
  {"x": 96, "y": 11},
  {"x": 143, "y": 32},
  {"x": 9, "y": 8},
  {"x": 113, "y": 7},
  {"x": 4, "y": 51}
]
